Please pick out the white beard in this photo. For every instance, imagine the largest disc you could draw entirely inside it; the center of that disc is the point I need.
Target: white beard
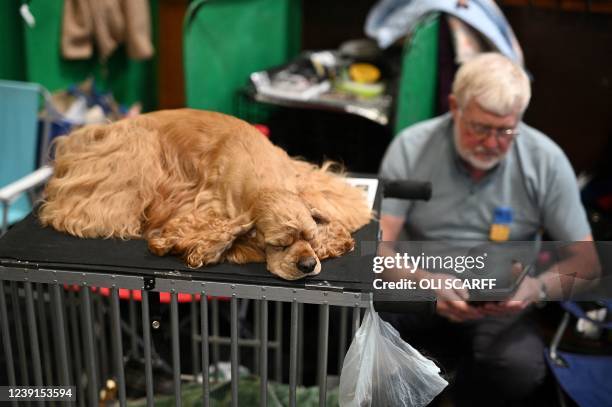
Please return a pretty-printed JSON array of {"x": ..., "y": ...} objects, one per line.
[{"x": 470, "y": 157}]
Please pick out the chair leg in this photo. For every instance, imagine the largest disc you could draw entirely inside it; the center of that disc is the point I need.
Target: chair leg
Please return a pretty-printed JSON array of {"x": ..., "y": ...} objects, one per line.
[
  {"x": 558, "y": 335},
  {"x": 560, "y": 396},
  {"x": 5, "y": 209}
]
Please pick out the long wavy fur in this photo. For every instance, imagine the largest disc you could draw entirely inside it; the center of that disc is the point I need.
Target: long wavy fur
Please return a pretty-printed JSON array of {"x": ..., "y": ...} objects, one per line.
[{"x": 203, "y": 185}]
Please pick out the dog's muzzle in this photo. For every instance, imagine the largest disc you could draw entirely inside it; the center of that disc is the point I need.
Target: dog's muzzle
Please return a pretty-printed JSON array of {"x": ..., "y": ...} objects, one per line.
[{"x": 307, "y": 264}]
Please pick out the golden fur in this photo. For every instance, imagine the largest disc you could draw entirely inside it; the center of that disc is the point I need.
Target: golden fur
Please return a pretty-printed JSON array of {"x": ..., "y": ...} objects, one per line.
[{"x": 203, "y": 185}]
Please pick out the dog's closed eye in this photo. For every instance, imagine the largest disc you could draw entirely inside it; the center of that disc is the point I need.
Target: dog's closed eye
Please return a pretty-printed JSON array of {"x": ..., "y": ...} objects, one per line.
[
  {"x": 280, "y": 242},
  {"x": 277, "y": 248}
]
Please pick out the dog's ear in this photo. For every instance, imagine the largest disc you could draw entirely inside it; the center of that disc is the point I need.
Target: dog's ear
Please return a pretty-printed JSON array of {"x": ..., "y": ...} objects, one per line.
[
  {"x": 245, "y": 250},
  {"x": 243, "y": 227},
  {"x": 319, "y": 217},
  {"x": 332, "y": 240}
]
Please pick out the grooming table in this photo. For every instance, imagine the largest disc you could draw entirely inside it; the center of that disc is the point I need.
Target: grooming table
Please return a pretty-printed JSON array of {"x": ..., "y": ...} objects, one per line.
[
  {"x": 41, "y": 263},
  {"x": 30, "y": 246}
]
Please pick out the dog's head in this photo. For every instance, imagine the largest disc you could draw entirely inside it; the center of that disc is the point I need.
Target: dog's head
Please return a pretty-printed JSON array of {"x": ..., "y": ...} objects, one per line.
[
  {"x": 285, "y": 231},
  {"x": 290, "y": 236}
]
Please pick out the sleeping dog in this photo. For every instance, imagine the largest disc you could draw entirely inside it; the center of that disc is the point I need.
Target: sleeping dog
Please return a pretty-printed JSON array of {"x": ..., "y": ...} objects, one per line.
[{"x": 205, "y": 186}]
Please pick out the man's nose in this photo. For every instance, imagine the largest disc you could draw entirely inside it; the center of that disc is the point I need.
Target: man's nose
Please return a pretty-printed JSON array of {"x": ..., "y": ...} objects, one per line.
[
  {"x": 491, "y": 141},
  {"x": 307, "y": 264}
]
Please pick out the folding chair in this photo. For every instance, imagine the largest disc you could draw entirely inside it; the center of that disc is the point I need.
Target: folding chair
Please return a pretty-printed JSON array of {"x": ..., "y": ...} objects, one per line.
[
  {"x": 19, "y": 146},
  {"x": 585, "y": 378}
]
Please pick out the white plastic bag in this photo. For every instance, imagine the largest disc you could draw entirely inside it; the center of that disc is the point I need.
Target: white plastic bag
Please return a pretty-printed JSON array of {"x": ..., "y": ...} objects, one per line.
[{"x": 380, "y": 369}]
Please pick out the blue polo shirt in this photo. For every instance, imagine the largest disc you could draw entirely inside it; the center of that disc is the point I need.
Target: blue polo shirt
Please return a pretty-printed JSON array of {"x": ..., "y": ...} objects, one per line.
[{"x": 535, "y": 179}]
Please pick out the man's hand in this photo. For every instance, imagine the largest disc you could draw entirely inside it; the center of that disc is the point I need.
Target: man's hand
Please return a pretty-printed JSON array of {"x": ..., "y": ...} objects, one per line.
[
  {"x": 527, "y": 293},
  {"x": 452, "y": 303}
]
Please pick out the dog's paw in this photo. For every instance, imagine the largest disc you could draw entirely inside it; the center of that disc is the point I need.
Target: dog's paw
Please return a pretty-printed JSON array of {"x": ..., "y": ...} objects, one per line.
[
  {"x": 201, "y": 255},
  {"x": 161, "y": 246}
]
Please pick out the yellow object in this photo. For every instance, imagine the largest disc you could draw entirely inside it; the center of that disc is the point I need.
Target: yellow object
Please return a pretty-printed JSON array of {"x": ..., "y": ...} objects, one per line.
[
  {"x": 364, "y": 73},
  {"x": 499, "y": 233}
]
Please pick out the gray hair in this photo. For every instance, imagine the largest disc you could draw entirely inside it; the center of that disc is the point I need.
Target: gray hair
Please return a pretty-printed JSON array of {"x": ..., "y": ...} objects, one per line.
[{"x": 496, "y": 83}]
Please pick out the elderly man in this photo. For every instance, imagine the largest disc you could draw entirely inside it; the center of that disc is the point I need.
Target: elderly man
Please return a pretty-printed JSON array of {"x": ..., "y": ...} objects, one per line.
[{"x": 480, "y": 157}]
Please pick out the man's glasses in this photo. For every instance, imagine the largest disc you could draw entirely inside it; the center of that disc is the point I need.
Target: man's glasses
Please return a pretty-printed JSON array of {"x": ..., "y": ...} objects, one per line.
[{"x": 482, "y": 131}]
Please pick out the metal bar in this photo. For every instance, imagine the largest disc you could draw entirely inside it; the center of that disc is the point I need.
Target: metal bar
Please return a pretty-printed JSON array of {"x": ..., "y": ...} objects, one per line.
[
  {"x": 60, "y": 371},
  {"x": 45, "y": 155},
  {"x": 44, "y": 332},
  {"x": 90, "y": 356},
  {"x": 558, "y": 336},
  {"x": 215, "y": 332},
  {"x": 195, "y": 356},
  {"x": 257, "y": 334},
  {"x": 334, "y": 296},
  {"x": 243, "y": 309},
  {"x": 278, "y": 335},
  {"x": 133, "y": 331},
  {"x": 323, "y": 334},
  {"x": 146, "y": 333},
  {"x": 356, "y": 319},
  {"x": 31, "y": 196},
  {"x": 101, "y": 322},
  {"x": 251, "y": 343},
  {"x": 263, "y": 352},
  {"x": 560, "y": 395},
  {"x": 76, "y": 346},
  {"x": 117, "y": 345},
  {"x": 48, "y": 276},
  {"x": 300, "y": 378},
  {"x": 5, "y": 209},
  {"x": 234, "y": 349},
  {"x": 205, "y": 361},
  {"x": 60, "y": 335},
  {"x": 176, "y": 356},
  {"x": 34, "y": 347},
  {"x": 23, "y": 366},
  {"x": 293, "y": 351},
  {"x": 6, "y": 338},
  {"x": 342, "y": 339},
  {"x": 64, "y": 311}
]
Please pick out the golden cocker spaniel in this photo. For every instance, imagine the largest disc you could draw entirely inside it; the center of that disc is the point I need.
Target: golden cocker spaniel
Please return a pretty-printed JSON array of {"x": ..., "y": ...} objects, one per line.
[{"x": 203, "y": 185}]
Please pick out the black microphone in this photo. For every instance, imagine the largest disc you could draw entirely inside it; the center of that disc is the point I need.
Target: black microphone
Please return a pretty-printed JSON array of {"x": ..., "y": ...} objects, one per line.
[{"x": 406, "y": 189}]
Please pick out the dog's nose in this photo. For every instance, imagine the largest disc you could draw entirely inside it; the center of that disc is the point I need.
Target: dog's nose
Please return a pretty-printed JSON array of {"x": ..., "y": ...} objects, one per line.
[{"x": 307, "y": 264}]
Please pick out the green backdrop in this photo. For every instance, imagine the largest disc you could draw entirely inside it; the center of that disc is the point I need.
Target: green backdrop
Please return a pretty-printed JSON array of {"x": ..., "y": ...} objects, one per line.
[
  {"x": 416, "y": 97},
  {"x": 224, "y": 41},
  {"x": 34, "y": 55}
]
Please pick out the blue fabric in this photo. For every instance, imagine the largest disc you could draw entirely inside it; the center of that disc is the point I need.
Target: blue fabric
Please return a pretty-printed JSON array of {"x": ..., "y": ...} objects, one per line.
[
  {"x": 586, "y": 379},
  {"x": 575, "y": 309},
  {"x": 390, "y": 20},
  {"x": 19, "y": 103}
]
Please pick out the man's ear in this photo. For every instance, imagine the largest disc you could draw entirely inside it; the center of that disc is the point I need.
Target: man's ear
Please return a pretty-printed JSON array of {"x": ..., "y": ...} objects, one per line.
[
  {"x": 319, "y": 217},
  {"x": 452, "y": 103}
]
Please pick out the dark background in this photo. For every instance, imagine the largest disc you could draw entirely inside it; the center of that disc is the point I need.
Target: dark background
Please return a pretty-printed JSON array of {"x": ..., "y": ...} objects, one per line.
[
  {"x": 568, "y": 51},
  {"x": 567, "y": 47}
]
